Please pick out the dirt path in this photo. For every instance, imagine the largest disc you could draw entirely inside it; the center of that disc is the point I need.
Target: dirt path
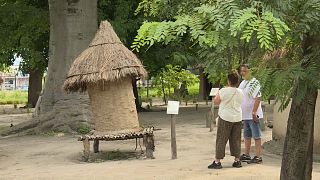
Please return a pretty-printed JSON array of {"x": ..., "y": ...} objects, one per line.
[
  {"x": 7, "y": 119},
  {"x": 40, "y": 157}
]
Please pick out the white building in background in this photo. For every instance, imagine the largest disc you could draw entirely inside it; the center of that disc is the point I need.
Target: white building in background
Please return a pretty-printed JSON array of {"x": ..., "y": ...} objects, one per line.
[{"x": 14, "y": 80}]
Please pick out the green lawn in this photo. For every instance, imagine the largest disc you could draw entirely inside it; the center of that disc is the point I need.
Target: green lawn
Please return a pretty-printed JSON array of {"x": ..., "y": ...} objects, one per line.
[
  {"x": 13, "y": 97},
  {"x": 21, "y": 97},
  {"x": 153, "y": 92}
]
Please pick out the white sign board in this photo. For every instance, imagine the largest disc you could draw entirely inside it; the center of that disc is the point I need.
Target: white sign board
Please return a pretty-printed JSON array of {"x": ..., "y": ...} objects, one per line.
[
  {"x": 214, "y": 91},
  {"x": 173, "y": 107}
]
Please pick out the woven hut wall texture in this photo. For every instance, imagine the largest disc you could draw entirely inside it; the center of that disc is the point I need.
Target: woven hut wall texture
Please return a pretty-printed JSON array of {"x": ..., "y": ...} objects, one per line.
[{"x": 113, "y": 107}]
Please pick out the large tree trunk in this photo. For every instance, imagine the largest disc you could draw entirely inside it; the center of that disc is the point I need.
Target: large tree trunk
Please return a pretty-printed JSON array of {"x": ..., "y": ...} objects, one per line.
[
  {"x": 204, "y": 85},
  {"x": 73, "y": 24},
  {"x": 136, "y": 96},
  {"x": 35, "y": 87},
  {"x": 298, "y": 147}
]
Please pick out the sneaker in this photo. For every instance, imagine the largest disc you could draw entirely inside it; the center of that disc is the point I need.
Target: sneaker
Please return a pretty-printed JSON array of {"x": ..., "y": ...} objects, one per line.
[
  {"x": 237, "y": 164},
  {"x": 245, "y": 158},
  {"x": 256, "y": 160},
  {"x": 215, "y": 165}
]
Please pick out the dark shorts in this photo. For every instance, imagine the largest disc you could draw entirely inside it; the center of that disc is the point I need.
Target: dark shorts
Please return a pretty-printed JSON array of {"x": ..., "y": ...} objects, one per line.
[{"x": 251, "y": 129}]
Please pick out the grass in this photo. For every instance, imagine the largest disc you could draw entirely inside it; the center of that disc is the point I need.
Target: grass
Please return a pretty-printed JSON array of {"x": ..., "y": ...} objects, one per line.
[
  {"x": 153, "y": 92},
  {"x": 13, "y": 97},
  {"x": 143, "y": 92},
  {"x": 21, "y": 97},
  {"x": 115, "y": 155}
]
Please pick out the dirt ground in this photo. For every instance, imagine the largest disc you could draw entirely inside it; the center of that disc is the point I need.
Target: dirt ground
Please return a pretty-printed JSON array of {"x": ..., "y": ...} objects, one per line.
[{"x": 60, "y": 156}]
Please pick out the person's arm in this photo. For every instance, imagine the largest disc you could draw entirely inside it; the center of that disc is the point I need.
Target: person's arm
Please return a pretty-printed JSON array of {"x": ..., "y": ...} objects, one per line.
[
  {"x": 256, "y": 95},
  {"x": 216, "y": 100},
  {"x": 255, "y": 108}
]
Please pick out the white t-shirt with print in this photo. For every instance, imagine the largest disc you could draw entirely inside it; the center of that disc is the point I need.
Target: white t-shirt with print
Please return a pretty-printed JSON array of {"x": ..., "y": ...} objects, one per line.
[
  {"x": 230, "y": 106},
  {"x": 251, "y": 90}
]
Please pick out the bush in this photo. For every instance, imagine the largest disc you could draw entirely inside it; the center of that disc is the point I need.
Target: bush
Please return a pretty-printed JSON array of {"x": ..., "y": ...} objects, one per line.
[
  {"x": 84, "y": 130},
  {"x": 13, "y": 97}
]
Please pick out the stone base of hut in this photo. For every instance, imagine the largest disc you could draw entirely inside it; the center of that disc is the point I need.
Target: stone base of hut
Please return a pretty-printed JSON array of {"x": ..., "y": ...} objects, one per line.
[{"x": 145, "y": 134}]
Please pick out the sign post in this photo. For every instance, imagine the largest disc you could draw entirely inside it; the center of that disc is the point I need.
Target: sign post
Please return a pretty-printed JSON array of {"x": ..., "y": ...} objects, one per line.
[
  {"x": 213, "y": 93},
  {"x": 173, "y": 110}
]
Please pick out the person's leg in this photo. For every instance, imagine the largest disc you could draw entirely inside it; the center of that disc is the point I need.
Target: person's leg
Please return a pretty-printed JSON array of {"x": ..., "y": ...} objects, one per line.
[
  {"x": 235, "y": 144},
  {"x": 258, "y": 147},
  {"x": 247, "y": 146},
  {"x": 247, "y": 133},
  {"x": 223, "y": 134},
  {"x": 221, "y": 141},
  {"x": 256, "y": 134},
  {"x": 235, "y": 140},
  {"x": 247, "y": 137}
]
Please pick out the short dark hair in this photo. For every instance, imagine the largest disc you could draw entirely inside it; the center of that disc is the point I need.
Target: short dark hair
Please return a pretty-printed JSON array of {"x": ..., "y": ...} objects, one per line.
[
  {"x": 234, "y": 78},
  {"x": 245, "y": 65}
]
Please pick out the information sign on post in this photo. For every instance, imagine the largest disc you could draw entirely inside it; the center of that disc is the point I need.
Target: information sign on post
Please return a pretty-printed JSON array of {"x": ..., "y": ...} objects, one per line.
[
  {"x": 173, "y": 109},
  {"x": 213, "y": 93}
]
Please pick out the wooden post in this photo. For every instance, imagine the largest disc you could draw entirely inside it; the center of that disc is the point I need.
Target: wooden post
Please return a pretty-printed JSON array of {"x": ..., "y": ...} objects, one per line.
[
  {"x": 148, "y": 89},
  {"x": 149, "y": 146},
  {"x": 173, "y": 137},
  {"x": 86, "y": 151},
  {"x": 264, "y": 119},
  {"x": 208, "y": 119},
  {"x": 96, "y": 146}
]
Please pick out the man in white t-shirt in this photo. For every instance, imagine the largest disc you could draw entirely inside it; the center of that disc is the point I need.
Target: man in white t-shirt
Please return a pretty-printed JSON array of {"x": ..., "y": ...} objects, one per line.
[{"x": 251, "y": 114}]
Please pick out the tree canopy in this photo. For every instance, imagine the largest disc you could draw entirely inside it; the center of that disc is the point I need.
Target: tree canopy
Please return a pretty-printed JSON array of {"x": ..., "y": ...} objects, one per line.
[
  {"x": 24, "y": 32},
  {"x": 279, "y": 38},
  {"x": 227, "y": 33}
]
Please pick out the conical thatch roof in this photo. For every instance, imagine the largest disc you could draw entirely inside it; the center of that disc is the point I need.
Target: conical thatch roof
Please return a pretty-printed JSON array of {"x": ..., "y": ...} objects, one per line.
[{"x": 106, "y": 59}]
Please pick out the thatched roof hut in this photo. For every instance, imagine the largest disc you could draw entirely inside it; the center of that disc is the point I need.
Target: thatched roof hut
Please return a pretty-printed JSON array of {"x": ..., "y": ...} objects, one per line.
[
  {"x": 106, "y": 59},
  {"x": 105, "y": 69}
]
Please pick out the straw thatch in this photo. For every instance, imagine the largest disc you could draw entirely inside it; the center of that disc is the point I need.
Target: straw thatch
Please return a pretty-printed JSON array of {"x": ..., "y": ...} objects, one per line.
[{"x": 105, "y": 60}]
